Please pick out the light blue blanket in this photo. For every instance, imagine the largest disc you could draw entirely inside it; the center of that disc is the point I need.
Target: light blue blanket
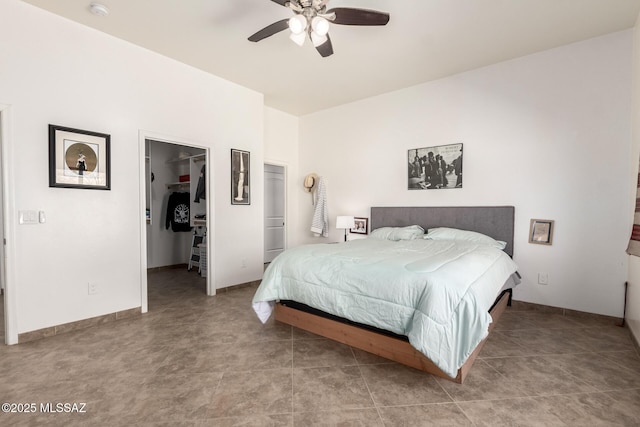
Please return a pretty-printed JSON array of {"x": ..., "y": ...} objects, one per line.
[{"x": 436, "y": 292}]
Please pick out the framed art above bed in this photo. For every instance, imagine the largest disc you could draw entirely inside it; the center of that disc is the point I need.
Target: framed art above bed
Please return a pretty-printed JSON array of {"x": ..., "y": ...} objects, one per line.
[{"x": 435, "y": 168}]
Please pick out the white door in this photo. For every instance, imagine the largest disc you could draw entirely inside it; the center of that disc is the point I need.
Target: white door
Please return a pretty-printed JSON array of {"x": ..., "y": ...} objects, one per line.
[{"x": 274, "y": 211}]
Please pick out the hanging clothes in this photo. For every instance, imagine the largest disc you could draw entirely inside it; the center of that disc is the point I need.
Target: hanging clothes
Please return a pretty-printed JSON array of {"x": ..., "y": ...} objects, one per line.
[
  {"x": 320, "y": 220},
  {"x": 178, "y": 215},
  {"x": 201, "y": 191}
]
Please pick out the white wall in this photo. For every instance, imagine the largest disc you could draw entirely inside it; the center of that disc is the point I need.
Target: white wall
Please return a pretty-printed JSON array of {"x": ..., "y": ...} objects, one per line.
[
  {"x": 633, "y": 297},
  {"x": 281, "y": 148},
  {"x": 56, "y": 71},
  {"x": 548, "y": 133}
]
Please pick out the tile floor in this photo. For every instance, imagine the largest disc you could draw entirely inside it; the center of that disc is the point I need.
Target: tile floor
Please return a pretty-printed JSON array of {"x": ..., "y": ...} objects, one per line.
[{"x": 207, "y": 361}]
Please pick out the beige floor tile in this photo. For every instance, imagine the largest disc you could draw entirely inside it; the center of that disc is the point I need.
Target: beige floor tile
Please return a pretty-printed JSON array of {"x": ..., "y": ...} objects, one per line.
[
  {"x": 538, "y": 376},
  {"x": 353, "y": 417},
  {"x": 251, "y": 393},
  {"x": 482, "y": 383},
  {"x": 524, "y": 412},
  {"x": 324, "y": 389},
  {"x": 321, "y": 352},
  {"x": 392, "y": 385},
  {"x": 441, "y": 414}
]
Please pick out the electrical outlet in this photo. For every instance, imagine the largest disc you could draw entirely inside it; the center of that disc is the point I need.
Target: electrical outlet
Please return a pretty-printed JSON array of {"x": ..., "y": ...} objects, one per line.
[
  {"x": 543, "y": 278},
  {"x": 93, "y": 288},
  {"x": 244, "y": 263}
]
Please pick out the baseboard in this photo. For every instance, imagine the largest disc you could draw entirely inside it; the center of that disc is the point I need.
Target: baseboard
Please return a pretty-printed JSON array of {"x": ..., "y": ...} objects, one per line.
[
  {"x": 167, "y": 267},
  {"x": 80, "y": 324},
  {"x": 529, "y": 306},
  {"x": 254, "y": 283}
]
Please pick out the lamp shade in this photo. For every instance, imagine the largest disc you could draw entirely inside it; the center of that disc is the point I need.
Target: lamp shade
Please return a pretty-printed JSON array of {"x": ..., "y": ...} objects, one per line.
[
  {"x": 320, "y": 25},
  {"x": 297, "y": 24},
  {"x": 345, "y": 222},
  {"x": 317, "y": 39},
  {"x": 298, "y": 38}
]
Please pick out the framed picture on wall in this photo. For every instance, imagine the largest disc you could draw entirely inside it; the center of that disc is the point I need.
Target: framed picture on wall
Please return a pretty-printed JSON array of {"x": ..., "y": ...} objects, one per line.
[
  {"x": 435, "y": 168},
  {"x": 541, "y": 231},
  {"x": 240, "y": 177},
  {"x": 79, "y": 158},
  {"x": 361, "y": 226}
]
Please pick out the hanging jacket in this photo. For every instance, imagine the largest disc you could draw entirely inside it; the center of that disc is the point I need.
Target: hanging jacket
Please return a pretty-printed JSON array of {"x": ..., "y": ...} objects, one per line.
[
  {"x": 178, "y": 212},
  {"x": 201, "y": 191}
]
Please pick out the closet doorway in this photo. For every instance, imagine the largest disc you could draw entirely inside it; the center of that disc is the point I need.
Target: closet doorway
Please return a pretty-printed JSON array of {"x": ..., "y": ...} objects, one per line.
[
  {"x": 175, "y": 197},
  {"x": 274, "y": 211}
]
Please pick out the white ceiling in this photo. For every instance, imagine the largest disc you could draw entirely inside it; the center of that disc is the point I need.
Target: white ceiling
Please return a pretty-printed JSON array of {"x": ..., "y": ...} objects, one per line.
[{"x": 424, "y": 40}]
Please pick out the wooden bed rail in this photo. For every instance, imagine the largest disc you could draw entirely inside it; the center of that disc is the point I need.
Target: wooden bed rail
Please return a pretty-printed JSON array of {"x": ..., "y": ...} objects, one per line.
[{"x": 388, "y": 347}]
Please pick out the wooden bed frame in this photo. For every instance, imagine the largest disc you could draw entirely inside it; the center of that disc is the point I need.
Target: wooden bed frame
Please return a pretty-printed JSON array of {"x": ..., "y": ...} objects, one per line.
[
  {"x": 382, "y": 345},
  {"x": 493, "y": 221}
]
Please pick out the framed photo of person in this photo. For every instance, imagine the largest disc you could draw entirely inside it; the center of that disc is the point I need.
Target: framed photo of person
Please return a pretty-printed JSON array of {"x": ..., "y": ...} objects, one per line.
[
  {"x": 541, "y": 231},
  {"x": 240, "y": 177},
  {"x": 79, "y": 158},
  {"x": 361, "y": 226}
]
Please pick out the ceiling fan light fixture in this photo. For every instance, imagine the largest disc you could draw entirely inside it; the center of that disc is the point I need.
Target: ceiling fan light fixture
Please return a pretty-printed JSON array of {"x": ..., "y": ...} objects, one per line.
[
  {"x": 298, "y": 24},
  {"x": 298, "y": 38},
  {"x": 318, "y": 39},
  {"x": 320, "y": 25}
]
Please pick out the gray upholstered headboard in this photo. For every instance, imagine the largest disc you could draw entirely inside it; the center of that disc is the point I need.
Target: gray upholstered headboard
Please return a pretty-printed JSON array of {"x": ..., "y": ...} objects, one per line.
[{"x": 494, "y": 221}]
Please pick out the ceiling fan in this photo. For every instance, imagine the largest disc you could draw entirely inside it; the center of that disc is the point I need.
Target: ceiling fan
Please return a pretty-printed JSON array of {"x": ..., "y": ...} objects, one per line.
[{"x": 312, "y": 19}]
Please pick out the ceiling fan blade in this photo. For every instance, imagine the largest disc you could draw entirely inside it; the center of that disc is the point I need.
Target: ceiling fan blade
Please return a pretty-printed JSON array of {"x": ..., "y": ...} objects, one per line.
[
  {"x": 326, "y": 48},
  {"x": 281, "y": 2},
  {"x": 270, "y": 30},
  {"x": 350, "y": 16}
]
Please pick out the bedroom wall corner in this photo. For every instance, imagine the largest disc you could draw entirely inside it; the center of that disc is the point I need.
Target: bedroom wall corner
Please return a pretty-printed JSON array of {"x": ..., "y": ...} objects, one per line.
[
  {"x": 281, "y": 137},
  {"x": 548, "y": 133},
  {"x": 633, "y": 296}
]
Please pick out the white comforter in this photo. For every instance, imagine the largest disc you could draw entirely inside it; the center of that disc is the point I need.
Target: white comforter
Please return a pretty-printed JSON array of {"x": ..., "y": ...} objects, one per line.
[{"x": 436, "y": 292}]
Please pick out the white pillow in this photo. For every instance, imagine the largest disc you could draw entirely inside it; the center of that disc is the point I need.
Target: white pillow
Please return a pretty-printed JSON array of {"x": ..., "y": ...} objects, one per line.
[
  {"x": 410, "y": 232},
  {"x": 444, "y": 233}
]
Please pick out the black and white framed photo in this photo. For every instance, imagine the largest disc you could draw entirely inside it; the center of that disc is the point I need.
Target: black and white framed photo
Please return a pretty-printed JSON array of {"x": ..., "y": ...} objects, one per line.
[
  {"x": 435, "y": 168},
  {"x": 240, "y": 177},
  {"x": 361, "y": 225},
  {"x": 79, "y": 158},
  {"x": 541, "y": 231}
]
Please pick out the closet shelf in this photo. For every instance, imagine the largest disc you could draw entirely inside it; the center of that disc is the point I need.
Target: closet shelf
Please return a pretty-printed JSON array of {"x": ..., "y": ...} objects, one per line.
[
  {"x": 196, "y": 158},
  {"x": 178, "y": 184}
]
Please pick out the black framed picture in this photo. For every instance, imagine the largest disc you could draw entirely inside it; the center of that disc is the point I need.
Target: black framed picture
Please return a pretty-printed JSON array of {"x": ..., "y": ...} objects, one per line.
[
  {"x": 79, "y": 158},
  {"x": 240, "y": 177},
  {"x": 361, "y": 225},
  {"x": 435, "y": 168}
]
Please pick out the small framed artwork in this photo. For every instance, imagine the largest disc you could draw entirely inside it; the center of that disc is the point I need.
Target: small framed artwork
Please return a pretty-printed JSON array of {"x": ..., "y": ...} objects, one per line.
[
  {"x": 541, "y": 231},
  {"x": 240, "y": 177},
  {"x": 79, "y": 159},
  {"x": 361, "y": 226}
]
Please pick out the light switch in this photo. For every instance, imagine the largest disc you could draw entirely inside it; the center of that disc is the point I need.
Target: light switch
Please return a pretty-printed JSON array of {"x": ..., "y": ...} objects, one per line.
[
  {"x": 28, "y": 217},
  {"x": 41, "y": 218}
]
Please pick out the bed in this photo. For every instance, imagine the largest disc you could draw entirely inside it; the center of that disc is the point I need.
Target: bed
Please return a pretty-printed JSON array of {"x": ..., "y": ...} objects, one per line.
[{"x": 426, "y": 301}]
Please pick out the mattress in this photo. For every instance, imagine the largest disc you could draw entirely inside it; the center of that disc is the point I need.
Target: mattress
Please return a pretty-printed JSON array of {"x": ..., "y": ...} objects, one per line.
[{"x": 436, "y": 293}]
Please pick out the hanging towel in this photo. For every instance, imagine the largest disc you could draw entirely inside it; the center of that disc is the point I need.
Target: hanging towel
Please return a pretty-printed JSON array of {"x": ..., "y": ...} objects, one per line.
[{"x": 320, "y": 221}]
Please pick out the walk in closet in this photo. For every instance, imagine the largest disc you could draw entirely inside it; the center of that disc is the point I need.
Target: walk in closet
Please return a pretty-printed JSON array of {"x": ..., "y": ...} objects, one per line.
[{"x": 176, "y": 205}]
